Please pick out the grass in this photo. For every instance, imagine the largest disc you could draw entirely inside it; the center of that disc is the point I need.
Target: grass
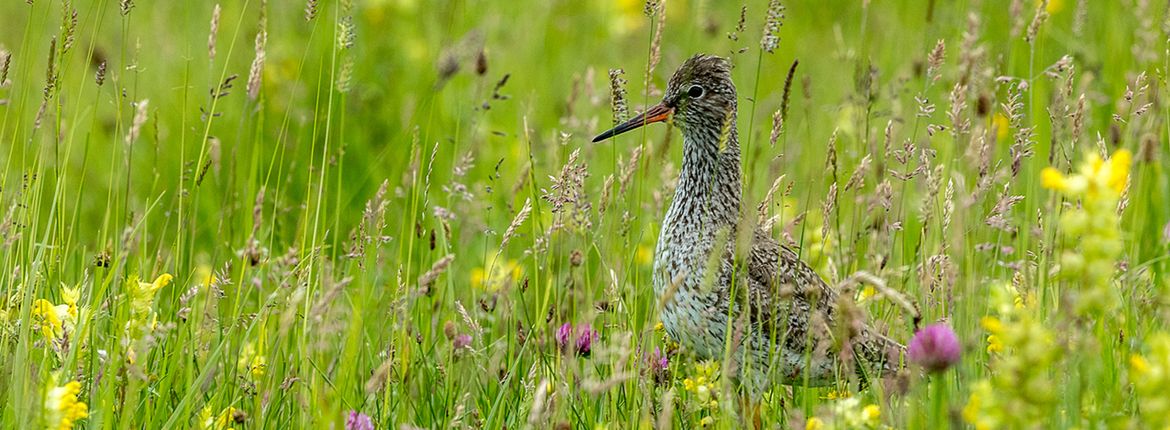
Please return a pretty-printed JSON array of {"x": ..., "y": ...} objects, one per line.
[{"x": 347, "y": 232}]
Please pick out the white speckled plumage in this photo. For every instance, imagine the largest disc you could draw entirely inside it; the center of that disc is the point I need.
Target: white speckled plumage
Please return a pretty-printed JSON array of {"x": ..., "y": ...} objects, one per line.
[{"x": 791, "y": 309}]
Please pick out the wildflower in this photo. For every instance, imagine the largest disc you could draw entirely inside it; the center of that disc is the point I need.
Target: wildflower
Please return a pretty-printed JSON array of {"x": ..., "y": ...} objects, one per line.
[
  {"x": 701, "y": 385},
  {"x": 1096, "y": 176},
  {"x": 973, "y": 410},
  {"x": 1018, "y": 392},
  {"x": 142, "y": 295},
  {"x": 1150, "y": 376},
  {"x": 62, "y": 409},
  {"x": 994, "y": 344},
  {"x": 1053, "y": 6},
  {"x": 644, "y": 256},
  {"x": 581, "y": 341},
  {"x": 935, "y": 348},
  {"x": 814, "y": 423},
  {"x": 50, "y": 319},
  {"x": 1002, "y": 126},
  {"x": 223, "y": 421},
  {"x": 1094, "y": 226},
  {"x": 659, "y": 366},
  {"x": 496, "y": 274},
  {"x": 866, "y": 293},
  {"x": 585, "y": 338},
  {"x": 847, "y": 413},
  {"x": 143, "y": 319},
  {"x": 563, "y": 335},
  {"x": 252, "y": 363},
  {"x": 204, "y": 276},
  {"x": 461, "y": 341},
  {"x": 835, "y": 394},
  {"x": 358, "y": 421},
  {"x": 69, "y": 297},
  {"x": 871, "y": 414}
]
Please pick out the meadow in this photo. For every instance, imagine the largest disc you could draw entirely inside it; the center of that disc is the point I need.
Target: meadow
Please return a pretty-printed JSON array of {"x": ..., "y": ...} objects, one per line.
[{"x": 388, "y": 213}]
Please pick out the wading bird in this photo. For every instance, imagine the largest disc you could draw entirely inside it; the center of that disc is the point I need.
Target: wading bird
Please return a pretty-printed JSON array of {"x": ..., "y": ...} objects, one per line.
[{"x": 792, "y": 328}]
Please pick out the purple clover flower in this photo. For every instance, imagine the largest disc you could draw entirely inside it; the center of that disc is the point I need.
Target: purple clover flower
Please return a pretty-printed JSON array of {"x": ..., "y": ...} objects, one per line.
[
  {"x": 585, "y": 337},
  {"x": 563, "y": 335},
  {"x": 358, "y": 421},
  {"x": 935, "y": 348},
  {"x": 461, "y": 341}
]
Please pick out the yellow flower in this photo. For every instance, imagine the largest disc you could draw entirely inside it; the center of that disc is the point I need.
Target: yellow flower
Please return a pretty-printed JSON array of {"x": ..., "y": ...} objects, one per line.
[
  {"x": 70, "y": 296},
  {"x": 644, "y": 255},
  {"x": 223, "y": 421},
  {"x": 837, "y": 394},
  {"x": 496, "y": 274},
  {"x": 49, "y": 318},
  {"x": 252, "y": 362},
  {"x": 991, "y": 324},
  {"x": 1150, "y": 375},
  {"x": 702, "y": 384},
  {"x": 706, "y": 421},
  {"x": 871, "y": 414},
  {"x": 142, "y": 294},
  {"x": 62, "y": 409},
  {"x": 994, "y": 344},
  {"x": 1052, "y": 179},
  {"x": 1053, "y": 6},
  {"x": 814, "y": 423},
  {"x": 204, "y": 276},
  {"x": 1002, "y": 126},
  {"x": 866, "y": 293},
  {"x": 1139, "y": 365},
  {"x": 972, "y": 411},
  {"x": 1118, "y": 173},
  {"x": 1094, "y": 176},
  {"x": 1092, "y": 229}
]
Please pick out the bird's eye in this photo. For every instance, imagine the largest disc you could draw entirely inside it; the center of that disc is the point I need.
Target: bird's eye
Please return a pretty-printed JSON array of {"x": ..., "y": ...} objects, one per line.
[{"x": 695, "y": 91}]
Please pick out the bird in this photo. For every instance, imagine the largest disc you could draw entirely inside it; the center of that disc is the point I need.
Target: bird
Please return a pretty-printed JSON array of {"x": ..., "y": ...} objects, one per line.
[{"x": 704, "y": 289}]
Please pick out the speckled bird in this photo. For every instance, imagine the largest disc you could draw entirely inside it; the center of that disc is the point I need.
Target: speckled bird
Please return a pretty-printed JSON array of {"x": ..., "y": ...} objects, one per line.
[{"x": 792, "y": 311}]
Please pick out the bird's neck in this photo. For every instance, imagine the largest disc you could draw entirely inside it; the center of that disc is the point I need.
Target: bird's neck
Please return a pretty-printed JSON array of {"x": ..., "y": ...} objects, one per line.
[{"x": 709, "y": 185}]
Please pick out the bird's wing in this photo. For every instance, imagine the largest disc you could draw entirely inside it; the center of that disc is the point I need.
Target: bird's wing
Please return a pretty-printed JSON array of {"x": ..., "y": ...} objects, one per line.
[
  {"x": 787, "y": 297},
  {"x": 781, "y": 285}
]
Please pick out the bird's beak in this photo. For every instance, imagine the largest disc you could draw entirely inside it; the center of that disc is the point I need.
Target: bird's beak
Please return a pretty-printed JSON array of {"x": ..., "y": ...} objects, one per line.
[{"x": 660, "y": 112}]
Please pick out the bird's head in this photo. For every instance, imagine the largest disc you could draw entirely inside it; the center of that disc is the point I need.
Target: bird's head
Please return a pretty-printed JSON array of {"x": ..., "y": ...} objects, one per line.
[{"x": 700, "y": 96}]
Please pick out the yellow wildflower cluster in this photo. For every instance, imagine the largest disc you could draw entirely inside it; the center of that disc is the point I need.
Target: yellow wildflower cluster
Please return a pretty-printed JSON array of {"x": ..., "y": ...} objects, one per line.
[
  {"x": 222, "y": 421},
  {"x": 702, "y": 386},
  {"x": 496, "y": 274},
  {"x": 1019, "y": 391},
  {"x": 848, "y": 413},
  {"x": 1094, "y": 227},
  {"x": 56, "y": 320},
  {"x": 1150, "y": 376},
  {"x": 143, "y": 318},
  {"x": 62, "y": 409},
  {"x": 252, "y": 362}
]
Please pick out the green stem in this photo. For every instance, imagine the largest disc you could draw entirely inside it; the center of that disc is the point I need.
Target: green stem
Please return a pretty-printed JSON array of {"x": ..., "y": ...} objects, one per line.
[{"x": 938, "y": 391}]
